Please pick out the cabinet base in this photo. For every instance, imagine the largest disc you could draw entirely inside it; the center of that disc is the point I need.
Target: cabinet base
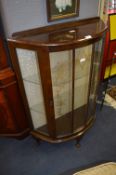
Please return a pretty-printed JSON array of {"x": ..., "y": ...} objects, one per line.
[
  {"x": 20, "y": 135},
  {"x": 76, "y": 135}
]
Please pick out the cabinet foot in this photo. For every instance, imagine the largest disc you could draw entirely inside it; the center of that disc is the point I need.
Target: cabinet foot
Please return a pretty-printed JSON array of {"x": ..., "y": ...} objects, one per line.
[
  {"x": 78, "y": 145},
  {"x": 37, "y": 140}
]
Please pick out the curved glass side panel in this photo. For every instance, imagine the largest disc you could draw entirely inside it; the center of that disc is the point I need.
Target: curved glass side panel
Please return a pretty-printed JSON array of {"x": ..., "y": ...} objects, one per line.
[
  {"x": 81, "y": 88},
  {"x": 97, "y": 56},
  {"x": 32, "y": 84}
]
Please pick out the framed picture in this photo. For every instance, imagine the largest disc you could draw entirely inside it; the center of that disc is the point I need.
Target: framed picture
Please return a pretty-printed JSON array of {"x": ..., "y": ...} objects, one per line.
[{"x": 60, "y": 9}]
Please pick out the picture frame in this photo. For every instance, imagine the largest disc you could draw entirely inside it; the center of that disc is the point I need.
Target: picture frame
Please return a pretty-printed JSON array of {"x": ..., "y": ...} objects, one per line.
[{"x": 61, "y": 9}]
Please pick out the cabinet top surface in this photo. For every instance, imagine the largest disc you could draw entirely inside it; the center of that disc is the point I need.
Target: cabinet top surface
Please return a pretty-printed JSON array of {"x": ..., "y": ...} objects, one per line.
[{"x": 61, "y": 34}]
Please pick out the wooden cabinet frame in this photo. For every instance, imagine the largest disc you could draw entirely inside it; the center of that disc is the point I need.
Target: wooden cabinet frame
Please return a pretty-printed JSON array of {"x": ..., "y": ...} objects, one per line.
[{"x": 58, "y": 38}]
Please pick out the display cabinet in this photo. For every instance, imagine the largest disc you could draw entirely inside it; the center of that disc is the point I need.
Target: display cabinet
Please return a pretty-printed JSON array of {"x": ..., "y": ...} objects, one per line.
[{"x": 58, "y": 68}]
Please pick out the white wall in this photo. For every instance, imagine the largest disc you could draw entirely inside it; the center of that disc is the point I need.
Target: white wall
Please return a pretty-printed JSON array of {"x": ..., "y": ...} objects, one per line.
[{"x": 24, "y": 14}]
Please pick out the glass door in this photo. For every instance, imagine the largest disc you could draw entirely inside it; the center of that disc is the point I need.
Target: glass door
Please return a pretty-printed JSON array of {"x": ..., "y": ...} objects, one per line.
[
  {"x": 70, "y": 72},
  {"x": 61, "y": 73}
]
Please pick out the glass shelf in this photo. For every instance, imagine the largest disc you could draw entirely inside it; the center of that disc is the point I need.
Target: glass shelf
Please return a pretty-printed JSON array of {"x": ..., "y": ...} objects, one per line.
[{"x": 34, "y": 79}]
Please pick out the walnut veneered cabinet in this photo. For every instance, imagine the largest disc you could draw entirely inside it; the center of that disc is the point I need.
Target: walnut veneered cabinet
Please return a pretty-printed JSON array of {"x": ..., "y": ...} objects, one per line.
[
  {"x": 13, "y": 121},
  {"x": 58, "y": 68}
]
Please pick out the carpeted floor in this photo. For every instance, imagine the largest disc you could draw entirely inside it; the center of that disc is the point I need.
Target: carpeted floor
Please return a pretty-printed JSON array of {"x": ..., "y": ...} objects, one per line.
[{"x": 27, "y": 157}]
